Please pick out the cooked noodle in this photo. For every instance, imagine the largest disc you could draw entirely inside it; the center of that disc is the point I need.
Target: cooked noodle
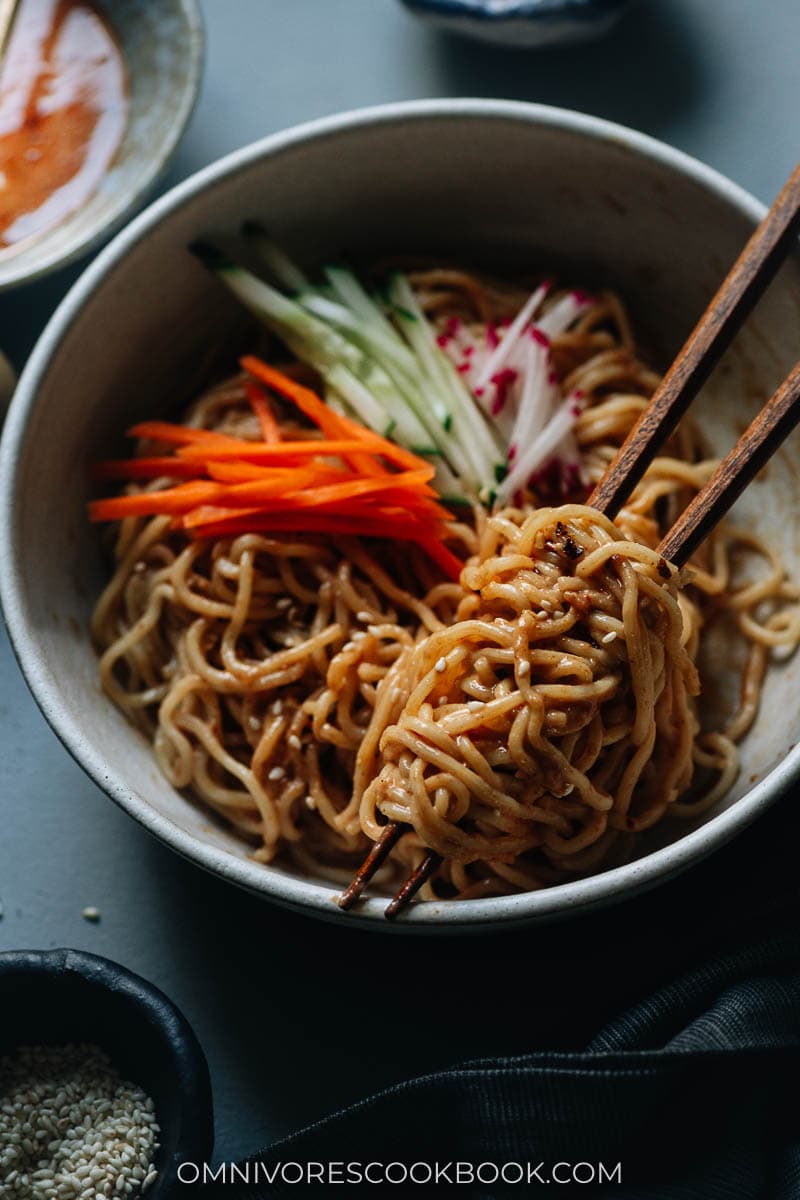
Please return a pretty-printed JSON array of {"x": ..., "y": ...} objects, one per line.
[{"x": 526, "y": 723}]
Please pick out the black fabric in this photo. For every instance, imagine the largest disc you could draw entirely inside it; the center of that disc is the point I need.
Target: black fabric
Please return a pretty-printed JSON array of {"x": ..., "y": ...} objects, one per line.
[{"x": 694, "y": 1090}]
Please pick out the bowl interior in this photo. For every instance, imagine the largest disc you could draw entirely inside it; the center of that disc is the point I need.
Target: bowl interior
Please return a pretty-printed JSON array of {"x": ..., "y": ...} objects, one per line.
[
  {"x": 65, "y": 996},
  {"x": 511, "y": 188},
  {"x": 162, "y": 45}
]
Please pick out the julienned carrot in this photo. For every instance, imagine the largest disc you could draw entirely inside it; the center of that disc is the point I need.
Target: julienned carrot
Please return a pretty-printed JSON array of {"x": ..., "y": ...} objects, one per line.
[
  {"x": 179, "y": 499},
  {"x": 317, "y": 411},
  {"x": 242, "y": 472},
  {"x": 401, "y": 528},
  {"x": 144, "y": 468},
  {"x": 348, "y": 481},
  {"x": 240, "y": 450},
  {"x": 179, "y": 435},
  {"x": 309, "y": 403},
  {"x": 450, "y": 563},
  {"x": 270, "y": 430}
]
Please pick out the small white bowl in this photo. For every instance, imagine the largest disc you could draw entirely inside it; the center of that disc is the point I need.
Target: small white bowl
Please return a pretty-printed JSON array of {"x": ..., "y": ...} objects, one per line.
[
  {"x": 516, "y": 183},
  {"x": 162, "y": 43}
]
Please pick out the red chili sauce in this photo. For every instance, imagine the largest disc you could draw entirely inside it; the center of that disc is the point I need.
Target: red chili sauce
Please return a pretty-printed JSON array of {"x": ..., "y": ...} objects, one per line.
[{"x": 63, "y": 108}]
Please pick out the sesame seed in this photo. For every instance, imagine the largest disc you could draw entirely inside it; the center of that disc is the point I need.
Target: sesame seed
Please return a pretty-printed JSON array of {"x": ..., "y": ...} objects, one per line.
[
  {"x": 311, "y": 803},
  {"x": 608, "y": 638},
  {"x": 276, "y": 773},
  {"x": 277, "y": 708},
  {"x": 294, "y": 741},
  {"x": 363, "y": 616},
  {"x": 70, "y": 1127},
  {"x": 90, "y": 913},
  {"x": 284, "y": 603},
  {"x": 524, "y": 668},
  {"x": 441, "y": 665}
]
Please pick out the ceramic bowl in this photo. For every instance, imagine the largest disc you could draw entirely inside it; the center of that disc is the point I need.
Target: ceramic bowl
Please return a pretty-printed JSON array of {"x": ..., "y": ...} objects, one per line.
[
  {"x": 521, "y": 24},
  {"x": 162, "y": 43},
  {"x": 518, "y": 185},
  {"x": 55, "y": 997}
]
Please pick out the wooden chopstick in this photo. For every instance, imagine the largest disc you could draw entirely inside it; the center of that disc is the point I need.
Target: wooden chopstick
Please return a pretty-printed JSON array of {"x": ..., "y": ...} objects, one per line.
[
  {"x": 713, "y": 333},
  {"x": 743, "y": 285},
  {"x": 765, "y": 433},
  {"x": 763, "y": 436}
]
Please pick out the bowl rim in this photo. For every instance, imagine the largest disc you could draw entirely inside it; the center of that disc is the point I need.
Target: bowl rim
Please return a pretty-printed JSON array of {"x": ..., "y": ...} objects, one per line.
[
  {"x": 300, "y": 894},
  {"x": 541, "y": 12},
  {"x": 79, "y": 243}
]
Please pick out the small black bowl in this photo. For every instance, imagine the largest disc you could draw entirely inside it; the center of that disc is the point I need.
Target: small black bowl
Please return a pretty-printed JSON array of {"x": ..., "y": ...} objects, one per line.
[{"x": 51, "y": 997}]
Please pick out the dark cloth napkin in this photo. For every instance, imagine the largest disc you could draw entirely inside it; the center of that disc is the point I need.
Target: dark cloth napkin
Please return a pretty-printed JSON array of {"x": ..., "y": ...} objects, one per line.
[{"x": 693, "y": 1090}]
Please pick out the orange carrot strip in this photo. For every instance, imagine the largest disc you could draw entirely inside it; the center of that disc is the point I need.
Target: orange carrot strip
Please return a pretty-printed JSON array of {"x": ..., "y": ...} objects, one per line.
[
  {"x": 242, "y": 472},
  {"x": 331, "y": 423},
  {"x": 180, "y": 435},
  {"x": 225, "y": 508},
  {"x": 262, "y": 452},
  {"x": 236, "y": 523},
  {"x": 270, "y": 431},
  {"x": 309, "y": 403},
  {"x": 179, "y": 499},
  {"x": 144, "y": 468},
  {"x": 444, "y": 558}
]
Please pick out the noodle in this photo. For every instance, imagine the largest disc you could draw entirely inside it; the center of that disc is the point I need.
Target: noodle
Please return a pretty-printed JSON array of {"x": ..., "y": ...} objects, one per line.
[{"x": 526, "y": 723}]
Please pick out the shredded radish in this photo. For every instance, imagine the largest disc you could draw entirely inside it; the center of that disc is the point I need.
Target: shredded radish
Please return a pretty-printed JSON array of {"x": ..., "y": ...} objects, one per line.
[
  {"x": 528, "y": 459},
  {"x": 498, "y": 358}
]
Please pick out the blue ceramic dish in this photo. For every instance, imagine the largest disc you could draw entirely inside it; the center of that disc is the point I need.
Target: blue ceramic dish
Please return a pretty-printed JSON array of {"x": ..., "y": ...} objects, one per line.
[{"x": 521, "y": 23}]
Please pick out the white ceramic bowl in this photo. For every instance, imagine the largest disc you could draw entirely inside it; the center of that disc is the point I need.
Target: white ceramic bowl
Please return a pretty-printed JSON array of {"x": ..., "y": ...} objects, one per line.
[
  {"x": 517, "y": 183},
  {"x": 162, "y": 44}
]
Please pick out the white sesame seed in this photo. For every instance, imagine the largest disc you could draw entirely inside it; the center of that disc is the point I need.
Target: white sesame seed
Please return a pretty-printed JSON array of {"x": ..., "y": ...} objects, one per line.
[
  {"x": 277, "y": 708},
  {"x": 608, "y": 638},
  {"x": 64, "y": 1114},
  {"x": 275, "y": 773},
  {"x": 90, "y": 913},
  {"x": 284, "y": 603},
  {"x": 254, "y": 723},
  {"x": 524, "y": 668},
  {"x": 363, "y": 616},
  {"x": 441, "y": 665},
  {"x": 311, "y": 803},
  {"x": 294, "y": 741}
]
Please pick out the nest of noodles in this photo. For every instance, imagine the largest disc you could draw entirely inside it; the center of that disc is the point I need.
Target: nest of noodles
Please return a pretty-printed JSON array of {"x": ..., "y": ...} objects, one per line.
[{"x": 557, "y": 713}]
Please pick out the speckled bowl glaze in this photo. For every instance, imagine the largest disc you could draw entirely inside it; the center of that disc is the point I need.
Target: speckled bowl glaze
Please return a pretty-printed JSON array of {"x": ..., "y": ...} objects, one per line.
[
  {"x": 532, "y": 186},
  {"x": 53, "y": 997},
  {"x": 162, "y": 43},
  {"x": 521, "y": 24}
]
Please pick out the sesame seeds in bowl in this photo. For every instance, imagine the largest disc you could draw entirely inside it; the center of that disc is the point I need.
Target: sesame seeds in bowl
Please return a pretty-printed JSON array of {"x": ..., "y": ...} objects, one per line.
[
  {"x": 69, "y": 1122},
  {"x": 105, "y": 1088}
]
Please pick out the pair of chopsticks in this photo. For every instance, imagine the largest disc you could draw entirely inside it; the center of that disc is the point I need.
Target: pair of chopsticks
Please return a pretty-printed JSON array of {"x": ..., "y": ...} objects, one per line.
[{"x": 712, "y": 335}]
